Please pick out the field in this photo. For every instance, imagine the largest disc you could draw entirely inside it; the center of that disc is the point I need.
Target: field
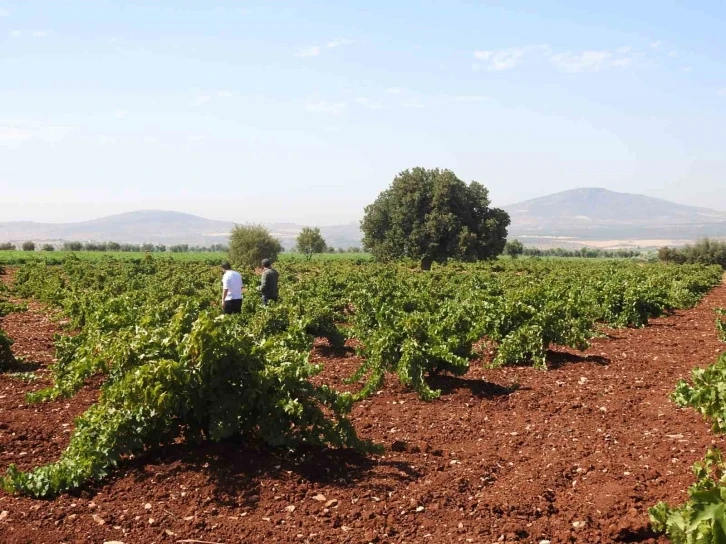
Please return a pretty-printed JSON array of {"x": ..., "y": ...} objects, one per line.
[
  {"x": 512, "y": 402},
  {"x": 15, "y": 257}
]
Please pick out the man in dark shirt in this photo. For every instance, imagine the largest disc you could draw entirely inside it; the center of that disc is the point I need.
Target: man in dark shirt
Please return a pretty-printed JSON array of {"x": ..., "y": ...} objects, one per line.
[{"x": 268, "y": 285}]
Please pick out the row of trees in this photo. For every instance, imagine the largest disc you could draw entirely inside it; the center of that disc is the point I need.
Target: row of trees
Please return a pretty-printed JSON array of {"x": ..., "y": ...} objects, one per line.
[
  {"x": 704, "y": 251},
  {"x": 115, "y": 246}
]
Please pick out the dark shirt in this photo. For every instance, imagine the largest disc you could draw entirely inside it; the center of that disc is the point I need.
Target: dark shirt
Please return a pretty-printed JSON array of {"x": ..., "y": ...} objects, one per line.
[{"x": 268, "y": 287}]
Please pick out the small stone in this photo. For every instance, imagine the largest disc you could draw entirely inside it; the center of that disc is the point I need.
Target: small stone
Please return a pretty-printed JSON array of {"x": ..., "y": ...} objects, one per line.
[
  {"x": 113, "y": 542},
  {"x": 152, "y": 521},
  {"x": 167, "y": 532},
  {"x": 290, "y": 508},
  {"x": 147, "y": 506},
  {"x": 3, "y": 514},
  {"x": 98, "y": 519},
  {"x": 331, "y": 503},
  {"x": 544, "y": 542},
  {"x": 579, "y": 524},
  {"x": 420, "y": 509},
  {"x": 320, "y": 497}
]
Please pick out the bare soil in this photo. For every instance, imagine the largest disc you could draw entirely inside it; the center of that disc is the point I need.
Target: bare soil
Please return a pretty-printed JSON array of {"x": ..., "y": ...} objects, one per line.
[{"x": 574, "y": 454}]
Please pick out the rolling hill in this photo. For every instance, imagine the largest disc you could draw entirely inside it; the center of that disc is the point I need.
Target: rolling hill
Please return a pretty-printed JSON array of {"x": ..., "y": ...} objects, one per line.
[{"x": 574, "y": 218}]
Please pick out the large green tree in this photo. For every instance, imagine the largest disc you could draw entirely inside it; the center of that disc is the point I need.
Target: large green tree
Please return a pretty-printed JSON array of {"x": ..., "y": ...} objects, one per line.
[
  {"x": 249, "y": 244},
  {"x": 432, "y": 216},
  {"x": 310, "y": 241}
]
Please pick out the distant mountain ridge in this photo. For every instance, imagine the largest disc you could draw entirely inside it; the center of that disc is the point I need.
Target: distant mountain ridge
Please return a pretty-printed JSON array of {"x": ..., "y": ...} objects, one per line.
[
  {"x": 162, "y": 227},
  {"x": 570, "y": 218},
  {"x": 601, "y": 214}
]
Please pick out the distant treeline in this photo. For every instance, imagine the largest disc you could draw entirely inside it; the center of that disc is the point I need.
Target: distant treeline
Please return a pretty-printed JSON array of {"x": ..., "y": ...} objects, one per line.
[
  {"x": 586, "y": 252},
  {"x": 115, "y": 246},
  {"x": 704, "y": 251}
]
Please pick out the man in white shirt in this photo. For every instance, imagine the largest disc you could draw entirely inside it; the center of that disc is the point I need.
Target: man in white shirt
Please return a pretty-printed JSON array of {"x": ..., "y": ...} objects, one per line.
[{"x": 231, "y": 290}]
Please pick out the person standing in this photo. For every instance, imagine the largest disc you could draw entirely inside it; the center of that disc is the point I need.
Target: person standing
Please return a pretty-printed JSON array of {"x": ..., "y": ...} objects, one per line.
[
  {"x": 268, "y": 283},
  {"x": 231, "y": 290}
]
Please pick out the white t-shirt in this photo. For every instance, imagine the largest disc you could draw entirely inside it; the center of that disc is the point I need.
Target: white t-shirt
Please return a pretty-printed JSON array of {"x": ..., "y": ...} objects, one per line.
[{"x": 232, "y": 281}]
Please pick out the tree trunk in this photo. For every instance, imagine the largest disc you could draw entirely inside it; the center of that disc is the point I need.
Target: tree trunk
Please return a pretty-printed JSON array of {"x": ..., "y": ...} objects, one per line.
[{"x": 426, "y": 263}]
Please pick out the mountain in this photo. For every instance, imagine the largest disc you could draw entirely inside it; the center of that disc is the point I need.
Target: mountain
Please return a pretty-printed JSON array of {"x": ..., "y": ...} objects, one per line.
[
  {"x": 594, "y": 214},
  {"x": 161, "y": 227},
  {"x": 588, "y": 216}
]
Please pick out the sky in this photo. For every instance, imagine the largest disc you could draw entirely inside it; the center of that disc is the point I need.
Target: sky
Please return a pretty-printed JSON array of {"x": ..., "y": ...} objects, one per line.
[{"x": 268, "y": 111}]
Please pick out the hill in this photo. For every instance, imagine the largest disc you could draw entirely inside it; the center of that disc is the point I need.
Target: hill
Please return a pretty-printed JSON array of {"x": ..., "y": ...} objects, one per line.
[
  {"x": 587, "y": 215},
  {"x": 161, "y": 227}
]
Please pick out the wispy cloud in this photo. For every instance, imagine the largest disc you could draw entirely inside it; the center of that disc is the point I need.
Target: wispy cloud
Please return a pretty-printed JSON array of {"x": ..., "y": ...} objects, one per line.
[
  {"x": 394, "y": 90},
  {"x": 12, "y": 134},
  {"x": 224, "y": 94},
  {"x": 593, "y": 60},
  {"x": 412, "y": 105},
  {"x": 367, "y": 103},
  {"x": 502, "y": 59},
  {"x": 106, "y": 140},
  {"x": 309, "y": 51},
  {"x": 120, "y": 114},
  {"x": 4, "y": 13},
  {"x": 199, "y": 100},
  {"x": 721, "y": 91},
  {"x": 470, "y": 98},
  {"x": 33, "y": 33},
  {"x": 656, "y": 44},
  {"x": 315, "y": 50},
  {"x": 331, "y": 108}
]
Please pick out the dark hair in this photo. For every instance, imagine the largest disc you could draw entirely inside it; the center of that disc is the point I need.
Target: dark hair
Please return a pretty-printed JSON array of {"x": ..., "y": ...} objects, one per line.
[
  {"x": 226, "y": 265},
  {"x": 267, "y": 263}
]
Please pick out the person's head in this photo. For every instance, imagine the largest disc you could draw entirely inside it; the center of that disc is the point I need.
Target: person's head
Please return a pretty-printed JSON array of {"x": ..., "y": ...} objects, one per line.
[
  {"x": 226, "y": 266},
  {"x": 266, "y": 263}
]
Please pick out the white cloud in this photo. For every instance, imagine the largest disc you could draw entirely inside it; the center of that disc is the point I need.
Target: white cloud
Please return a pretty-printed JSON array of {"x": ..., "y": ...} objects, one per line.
[
  {"x": 412, "y": 105},
  {"x": 150, "y": 140},
  {"x": 503, "y": 59},
  {"x": 199, "y": 100},
  {"x": 656, "y": 44},
  {"x": 337, "y": 43},
  {"x": 470, "y": 98},
  {"x": 309, "y": 51},
  {"x": 686, "y": 69},
  {"x": 722, "y": 91},
  {"x": 366, "y": 103},
  {"x": 315, "y": 50},
  {"x": 106, "y": 140},
  {"x": 332, "y": 108},
  {"x": 195, "y": 138},
  {"x": 120, "y": 114},
  {"x": 394, "y": 90},
  {"x": 12, "y": 134},
  {"x": 224, "y": 94},
  {"x": 33, "y": 33},
  {"x": 594, "y": 60},
  {"x": 4, "y": 13}
]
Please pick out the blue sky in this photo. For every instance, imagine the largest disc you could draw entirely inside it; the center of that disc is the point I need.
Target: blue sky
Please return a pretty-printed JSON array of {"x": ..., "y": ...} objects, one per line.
[{"x": 305, "y": 111}]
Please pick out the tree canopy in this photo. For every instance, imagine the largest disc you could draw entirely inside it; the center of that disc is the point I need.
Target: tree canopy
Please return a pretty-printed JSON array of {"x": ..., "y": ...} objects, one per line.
[
  {"x": 310, "y": 241},
  {"x": 433, "y": 216},
  {"x": 514, "y": 248},
  {"x": 249, "y": 244}
]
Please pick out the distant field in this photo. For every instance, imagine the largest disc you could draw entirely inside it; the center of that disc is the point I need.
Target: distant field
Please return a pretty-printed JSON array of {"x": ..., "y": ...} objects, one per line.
[{"x": 21, "y": 257}]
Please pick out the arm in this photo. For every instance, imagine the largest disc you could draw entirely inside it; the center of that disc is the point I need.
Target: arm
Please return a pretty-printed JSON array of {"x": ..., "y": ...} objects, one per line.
[
  {"x": 224, "y": 295},
  {"x": 263, "y": 283}
]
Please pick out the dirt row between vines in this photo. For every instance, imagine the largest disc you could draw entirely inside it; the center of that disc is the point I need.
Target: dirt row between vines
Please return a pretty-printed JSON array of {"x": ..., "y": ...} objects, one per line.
[{"x": 574, "y": 454}]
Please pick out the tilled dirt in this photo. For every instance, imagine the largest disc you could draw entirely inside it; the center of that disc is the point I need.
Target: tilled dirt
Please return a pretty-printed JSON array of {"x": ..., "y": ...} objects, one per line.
[{"x": 574, "y": 454}]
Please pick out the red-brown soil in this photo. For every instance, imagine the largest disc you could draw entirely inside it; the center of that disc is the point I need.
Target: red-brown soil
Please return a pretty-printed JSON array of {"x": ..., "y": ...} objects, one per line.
[{"x": 574, "y": 454}]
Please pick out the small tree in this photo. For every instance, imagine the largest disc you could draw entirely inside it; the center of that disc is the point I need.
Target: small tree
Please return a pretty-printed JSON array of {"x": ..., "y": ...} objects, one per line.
[
  {"x": 147, "y": 248},
  {"x": 432, "y": 216},
  {"x": 249, "y": 244},
  {"x": 48, "y": 247},
  {"x": 28, "y": 246},
  {"x": 6, "y": 246},
  {"x": 72, "y": 246},
  {"x": 113, "y": 246},
  {"x": 310, "y": 241},
  {"x": 514, "y": 248}
]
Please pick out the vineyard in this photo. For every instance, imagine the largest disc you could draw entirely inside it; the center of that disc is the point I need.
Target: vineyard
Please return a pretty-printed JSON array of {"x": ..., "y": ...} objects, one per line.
[{"x": 363, "y": 369}]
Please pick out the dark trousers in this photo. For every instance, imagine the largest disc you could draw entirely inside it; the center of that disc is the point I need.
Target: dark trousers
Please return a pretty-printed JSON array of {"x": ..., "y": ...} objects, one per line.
[
  {"x": 233, "y": 306},
  {"x": 266, "y": 299}
]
